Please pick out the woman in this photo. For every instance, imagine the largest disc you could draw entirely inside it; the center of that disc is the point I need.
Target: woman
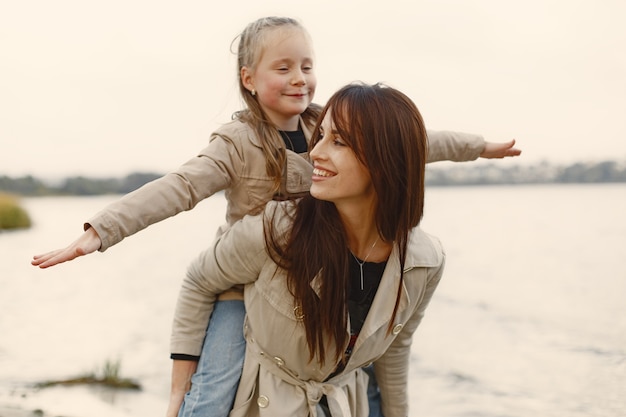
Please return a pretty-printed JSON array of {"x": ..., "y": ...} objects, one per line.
[{"x": 337, "y": 279}]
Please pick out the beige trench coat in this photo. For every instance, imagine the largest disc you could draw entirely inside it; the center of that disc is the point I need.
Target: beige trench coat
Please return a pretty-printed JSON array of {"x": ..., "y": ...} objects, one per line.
[
  {"x": 277, "y": 378},
  {"x": 233, "y": 161}
]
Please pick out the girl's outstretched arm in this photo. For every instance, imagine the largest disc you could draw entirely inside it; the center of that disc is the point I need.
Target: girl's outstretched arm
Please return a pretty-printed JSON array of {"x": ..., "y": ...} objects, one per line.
[
  {"x": 446, "y": 145},
  {"x": 500, "y": 150},
  {"x": 87, "y": 243}
]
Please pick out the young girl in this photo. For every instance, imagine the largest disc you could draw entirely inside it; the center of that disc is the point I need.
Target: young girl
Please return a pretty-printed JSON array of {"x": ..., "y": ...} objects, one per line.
[
  {"x": 259, "y": 155},
  {"x": 337, "y": 279}
]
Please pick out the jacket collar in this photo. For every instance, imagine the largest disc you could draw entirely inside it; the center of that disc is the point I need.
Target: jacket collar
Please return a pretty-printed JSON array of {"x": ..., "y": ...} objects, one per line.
[{"x": 423, "y": 250}]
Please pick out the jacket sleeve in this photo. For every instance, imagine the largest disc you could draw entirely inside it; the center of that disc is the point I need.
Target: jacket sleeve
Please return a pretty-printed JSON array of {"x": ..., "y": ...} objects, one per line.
[
  {"x": 236, "y": 257},
  {"x": 444, "y": 145},
  {"x": 392, "y": 368},
  {"x": 214, "y": 169}
]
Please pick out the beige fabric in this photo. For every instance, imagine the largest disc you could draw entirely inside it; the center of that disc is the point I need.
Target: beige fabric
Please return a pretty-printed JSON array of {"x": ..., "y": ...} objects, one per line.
[
  {"x": 277, "y": 378},
  {"x": 233, "y": 162}
]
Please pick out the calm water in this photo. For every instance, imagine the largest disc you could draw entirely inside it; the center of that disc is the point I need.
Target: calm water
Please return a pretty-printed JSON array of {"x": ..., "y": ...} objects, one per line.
[{"x": 529, "y": 320}]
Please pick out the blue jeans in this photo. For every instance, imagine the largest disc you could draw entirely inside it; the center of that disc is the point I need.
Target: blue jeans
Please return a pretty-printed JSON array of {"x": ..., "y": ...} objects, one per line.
[
  {"x": 214, "y": 385},
  {"x": 373, "y": 393}
]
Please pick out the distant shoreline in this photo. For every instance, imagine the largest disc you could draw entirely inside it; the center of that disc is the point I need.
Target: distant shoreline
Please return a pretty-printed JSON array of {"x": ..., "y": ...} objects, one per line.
[
  {"x": 437, "y": 175},
  {"x": 7, "y": 411}
]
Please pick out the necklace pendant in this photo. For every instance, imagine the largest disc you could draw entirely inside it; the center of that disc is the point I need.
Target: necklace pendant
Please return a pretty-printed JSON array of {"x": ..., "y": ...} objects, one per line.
[
  {"x": 361, "y": 263},
  {"x": 361, "y": 268}
]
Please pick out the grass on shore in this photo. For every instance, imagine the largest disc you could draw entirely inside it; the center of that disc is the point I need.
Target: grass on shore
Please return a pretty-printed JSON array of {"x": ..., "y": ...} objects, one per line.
[
  {"x": 12, "y": 216},
  {"x": 109, "y": 377}
]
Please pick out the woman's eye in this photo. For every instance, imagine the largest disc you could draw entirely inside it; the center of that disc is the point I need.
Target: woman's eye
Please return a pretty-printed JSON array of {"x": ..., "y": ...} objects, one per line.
[{"x": 338, "y": 142}]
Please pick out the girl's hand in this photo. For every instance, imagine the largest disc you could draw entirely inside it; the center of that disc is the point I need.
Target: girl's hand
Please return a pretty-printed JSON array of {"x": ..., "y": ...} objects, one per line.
[
  {"x": 500, "y": 150},
  {"x": 88, "y": 242}
]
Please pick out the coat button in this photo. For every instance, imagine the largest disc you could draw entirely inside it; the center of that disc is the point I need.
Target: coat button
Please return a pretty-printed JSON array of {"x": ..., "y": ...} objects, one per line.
[
  {"x": 263, "y": 401},
  {"x": 397, "y": 328},
  {"x": 279, "y": 361}
]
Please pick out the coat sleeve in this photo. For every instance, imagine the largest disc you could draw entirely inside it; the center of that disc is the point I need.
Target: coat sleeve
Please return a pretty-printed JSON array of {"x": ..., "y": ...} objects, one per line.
[
  {"x": 453, "y": 146},
  {"x": 392, "y": 368},
  {"x": 214, "y": 169},
  {"x": 236, "y": 257}
]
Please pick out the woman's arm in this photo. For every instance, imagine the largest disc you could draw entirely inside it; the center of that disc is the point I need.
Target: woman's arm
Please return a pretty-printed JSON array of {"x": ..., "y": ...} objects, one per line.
[
  {"x": 236, "y": 258},
  {"x": 392, "y": 368},
  {"x": 180, "y": 384}
]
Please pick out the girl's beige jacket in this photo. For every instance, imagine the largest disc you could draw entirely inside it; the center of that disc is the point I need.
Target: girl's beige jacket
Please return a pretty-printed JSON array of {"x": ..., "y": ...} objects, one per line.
[{"x": 233, "y": 162}]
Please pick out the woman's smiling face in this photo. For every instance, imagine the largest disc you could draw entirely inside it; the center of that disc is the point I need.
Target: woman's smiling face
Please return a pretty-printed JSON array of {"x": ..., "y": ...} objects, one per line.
[{"x": 338, "y": 175}]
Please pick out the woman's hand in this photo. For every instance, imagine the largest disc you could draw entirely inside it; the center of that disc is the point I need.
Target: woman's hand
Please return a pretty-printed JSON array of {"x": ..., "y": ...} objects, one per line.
[
  {"x": 182, "y": 372},
  {"x": 176, "y": 400},
  {"x": 87, "y": 243}
]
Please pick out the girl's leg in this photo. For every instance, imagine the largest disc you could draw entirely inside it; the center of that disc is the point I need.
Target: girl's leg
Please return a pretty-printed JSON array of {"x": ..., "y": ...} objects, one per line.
[
  {"x": 373, "y": 393},
  {"x": 214, "y": 385}
]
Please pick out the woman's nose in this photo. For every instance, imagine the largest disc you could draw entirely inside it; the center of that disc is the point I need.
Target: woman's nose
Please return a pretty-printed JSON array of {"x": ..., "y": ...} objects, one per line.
[{"x": 317, "y": 152}]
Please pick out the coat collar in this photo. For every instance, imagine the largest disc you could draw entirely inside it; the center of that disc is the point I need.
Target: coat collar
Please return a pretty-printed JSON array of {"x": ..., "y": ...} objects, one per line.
[{"x": 423, "y": 252}]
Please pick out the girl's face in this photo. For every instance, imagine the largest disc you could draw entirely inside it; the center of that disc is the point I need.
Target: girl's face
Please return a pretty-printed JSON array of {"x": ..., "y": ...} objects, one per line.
[
  {"x": 338, "y": 175},
  {"x": 283, "y": 79}
]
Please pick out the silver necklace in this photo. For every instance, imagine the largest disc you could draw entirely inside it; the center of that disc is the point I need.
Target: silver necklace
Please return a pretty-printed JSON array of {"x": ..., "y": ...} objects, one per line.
[{"x": 361, "y": 263}]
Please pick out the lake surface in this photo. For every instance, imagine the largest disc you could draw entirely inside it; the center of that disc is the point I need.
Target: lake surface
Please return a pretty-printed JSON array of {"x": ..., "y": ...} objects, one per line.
[{"x": 529, "y": 320}]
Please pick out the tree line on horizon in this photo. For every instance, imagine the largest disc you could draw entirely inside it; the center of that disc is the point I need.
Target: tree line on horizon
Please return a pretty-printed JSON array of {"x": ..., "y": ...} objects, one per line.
[{"x": 450, "y": 175}]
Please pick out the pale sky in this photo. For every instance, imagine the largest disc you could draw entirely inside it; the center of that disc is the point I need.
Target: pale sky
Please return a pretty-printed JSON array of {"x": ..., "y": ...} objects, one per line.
[{"x": 106, "y": 88}]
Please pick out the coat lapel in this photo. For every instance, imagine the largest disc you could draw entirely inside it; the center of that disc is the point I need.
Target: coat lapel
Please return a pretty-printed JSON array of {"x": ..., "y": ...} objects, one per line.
[{"x": 382, "y": 307}]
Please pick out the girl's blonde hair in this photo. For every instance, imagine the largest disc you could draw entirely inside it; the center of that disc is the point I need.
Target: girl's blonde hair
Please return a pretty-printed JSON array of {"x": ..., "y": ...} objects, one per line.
[{"x": 252, "y": 43}]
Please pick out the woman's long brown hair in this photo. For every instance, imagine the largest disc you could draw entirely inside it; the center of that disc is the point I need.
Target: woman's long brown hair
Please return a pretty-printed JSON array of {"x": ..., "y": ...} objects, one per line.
[{"x": 385, "y": 130}]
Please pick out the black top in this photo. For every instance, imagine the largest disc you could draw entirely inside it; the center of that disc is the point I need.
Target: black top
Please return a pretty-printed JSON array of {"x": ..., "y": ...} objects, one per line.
[
  {"x": 295, "y": 140},
  {"x": 360, "y": 300}
]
